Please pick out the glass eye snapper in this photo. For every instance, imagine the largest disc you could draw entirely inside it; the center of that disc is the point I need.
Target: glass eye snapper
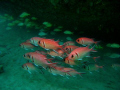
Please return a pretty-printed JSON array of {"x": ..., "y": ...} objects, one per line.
[
  {"x": 78, "y": 40},
  {"x": 72, "y": 56},
  {"x": 39, "y": 42},
  {"x": 66, "y": 48}
]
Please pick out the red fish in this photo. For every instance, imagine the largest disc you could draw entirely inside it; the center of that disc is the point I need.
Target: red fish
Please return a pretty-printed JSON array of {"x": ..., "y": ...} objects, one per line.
[
  {"x": 79, "y": 53},
  {"x": 68, "y": 43},
  {"x": 29, "y": 67},
  {"x": 34, "y": 40},
  {"x": 85, "y": 41},
  {"x": 70, "y": 48},
  {"x": 63, "y": 71},
  {"x": 57, "y": 53},
  {"x": 49, "y": 44},
  {"x": 38, "y": 59},
  {"x": 26, "y": 45},
  {"x": 57, "y": 70},
  {"x": 70, "y": 62}
]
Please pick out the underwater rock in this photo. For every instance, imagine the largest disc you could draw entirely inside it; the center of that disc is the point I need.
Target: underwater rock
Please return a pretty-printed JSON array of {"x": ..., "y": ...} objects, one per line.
[{"x": 1, "y": 69}]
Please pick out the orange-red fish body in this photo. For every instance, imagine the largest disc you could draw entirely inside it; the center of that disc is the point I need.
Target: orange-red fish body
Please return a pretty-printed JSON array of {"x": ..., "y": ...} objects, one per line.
[
  {"x": 35, "y": 40},
  {"x": 79, "y": 53},
  {"x": 57, "y": 53},
  {"x": 63, "y": 71},
  {"x": 85, "y": 41},
  {"x": 49, "y": 44},
  {"x": 70, "y": 48},
  {"x": 68, "y": 43},
  {"x": 57, "y": 70},
  {"x": 38, "y": 59},
  {"x": 29, "y": 67},
  {"x": 70, "y": 62},
  {"x": 26, "y": 45}
]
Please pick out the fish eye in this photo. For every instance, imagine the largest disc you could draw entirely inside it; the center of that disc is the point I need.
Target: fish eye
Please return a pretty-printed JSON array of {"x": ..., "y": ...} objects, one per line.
[
  {"x": 72, "y": 56},
  {"x": 28, "y": 56},
  {"x": 78, "y": 40},
  {"x": 66, "y": 48},
  {"x": 39, "y": 42}
]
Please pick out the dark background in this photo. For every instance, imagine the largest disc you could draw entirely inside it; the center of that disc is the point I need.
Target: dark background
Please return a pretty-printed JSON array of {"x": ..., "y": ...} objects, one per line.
[{"x": 96, "y": 18}]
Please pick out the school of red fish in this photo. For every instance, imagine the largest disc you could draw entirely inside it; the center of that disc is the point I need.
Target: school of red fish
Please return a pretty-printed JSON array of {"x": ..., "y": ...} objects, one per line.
[{"x": 68, "y": 53}]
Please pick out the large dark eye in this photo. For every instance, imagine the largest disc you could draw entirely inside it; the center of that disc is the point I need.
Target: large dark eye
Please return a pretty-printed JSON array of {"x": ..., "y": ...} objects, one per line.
[
  {"x": 28, "y": 56},
  {"x": 66, "y": 48},
  {"x": 39, "y": 42},
  {"x": 72, "y": 56},
  {"x": 78, "y": 40},
  {"x": 64, "y": 59}
]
